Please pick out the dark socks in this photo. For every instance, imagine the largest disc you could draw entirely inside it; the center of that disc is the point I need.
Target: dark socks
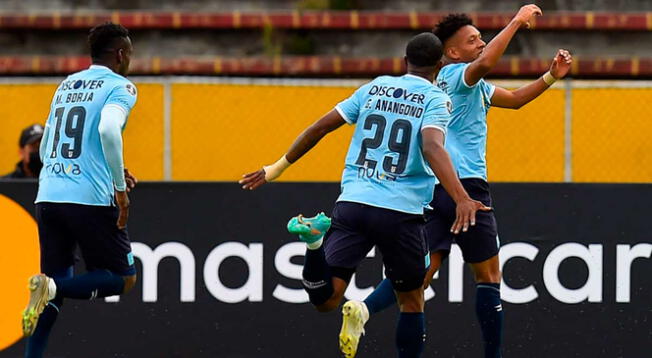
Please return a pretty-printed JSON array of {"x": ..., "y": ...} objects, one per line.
[
  {"x": 94, "y": 284},
  {"x": 490, "y": 316},
  {"x": 410, "y": 334},
  {"x": 38, "y": 341},
  {"x": 382, "y": 297},
  {"x": 317, "y": 276}
]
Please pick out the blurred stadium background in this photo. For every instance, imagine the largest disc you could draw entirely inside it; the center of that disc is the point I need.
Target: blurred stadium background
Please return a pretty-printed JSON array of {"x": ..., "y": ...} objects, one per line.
[
  {"x": 233, "y": 72},
  {"x": 225, "y": 86}
]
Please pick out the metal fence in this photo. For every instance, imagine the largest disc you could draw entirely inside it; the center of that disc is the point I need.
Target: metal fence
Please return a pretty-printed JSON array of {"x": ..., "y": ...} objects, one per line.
[{"x": 203, "y": 128}]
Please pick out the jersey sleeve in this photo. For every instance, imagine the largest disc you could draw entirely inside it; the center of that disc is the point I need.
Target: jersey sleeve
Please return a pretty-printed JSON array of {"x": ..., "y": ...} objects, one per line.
[
  {"x": 437, "y": 113},
  {"x": 124, "y": 95},
  {"x": 453, "y": 78},
  {"x": 350, "y": 108},
  {"x": 488, "y": 90}
]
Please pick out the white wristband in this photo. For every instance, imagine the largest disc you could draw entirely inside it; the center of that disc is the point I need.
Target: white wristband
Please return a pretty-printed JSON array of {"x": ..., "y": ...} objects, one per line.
[
  {"x": 548, "y": 78},
  {"x": 275, "y": 170}
]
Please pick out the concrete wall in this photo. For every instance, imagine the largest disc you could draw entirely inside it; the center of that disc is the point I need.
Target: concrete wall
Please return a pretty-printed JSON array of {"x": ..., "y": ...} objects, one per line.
[{"x": 248, "y": 5}]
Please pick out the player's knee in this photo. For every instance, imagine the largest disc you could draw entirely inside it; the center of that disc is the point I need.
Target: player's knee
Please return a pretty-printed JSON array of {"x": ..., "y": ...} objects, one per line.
[
  {"x": 130, "y": 282},
  {"x": 435, "y": 263},
  {"x": 329, "y": 305},
  {"x": 411, "y": 301},
  {"x": 328, "y": 296},
  {"x": 488, "y": 276},
  {"x": 411, "y": 307},
  {"x": 327, "y": 301},
  {"x": 487, "y": 271}
]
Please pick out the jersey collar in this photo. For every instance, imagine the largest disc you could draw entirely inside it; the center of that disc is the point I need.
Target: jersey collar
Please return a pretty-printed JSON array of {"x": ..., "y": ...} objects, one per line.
[
  {"x": 98, "y": 67},
  {"x": 419, "y": 78}
]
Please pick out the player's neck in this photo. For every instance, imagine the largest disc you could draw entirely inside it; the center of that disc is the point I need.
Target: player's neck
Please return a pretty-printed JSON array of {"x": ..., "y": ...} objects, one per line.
[
  {"x": 428, "y": 75},
  {"x": 103, "y": 64},
  {"x": 449, "y": 61}
]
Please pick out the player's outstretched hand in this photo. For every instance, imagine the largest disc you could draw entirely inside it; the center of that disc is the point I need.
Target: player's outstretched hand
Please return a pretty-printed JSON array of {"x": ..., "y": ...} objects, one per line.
[
  {"x": 130, "y": 179},
  {"x": 465, "y": 212},
  {"x": 561, "y": 64},
  {"x": 253, "y": 180},
  {"x": 526, "y": 13},
  {"x": 122, "y": 199}
]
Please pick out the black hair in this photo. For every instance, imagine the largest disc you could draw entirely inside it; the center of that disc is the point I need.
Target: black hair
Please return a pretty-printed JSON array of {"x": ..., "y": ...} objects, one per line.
[
  {"x": 449, "y": 25},
  {"x": 102, "y": 37},
  {"x": 424, "y": 50}
]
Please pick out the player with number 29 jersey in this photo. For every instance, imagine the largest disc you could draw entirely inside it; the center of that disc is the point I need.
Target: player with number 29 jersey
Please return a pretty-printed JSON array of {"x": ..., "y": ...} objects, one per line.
[
  {"x": 75, "y": 169},
  {"x": 385, "y": 166},
  {"x": 388, "y": 180}
]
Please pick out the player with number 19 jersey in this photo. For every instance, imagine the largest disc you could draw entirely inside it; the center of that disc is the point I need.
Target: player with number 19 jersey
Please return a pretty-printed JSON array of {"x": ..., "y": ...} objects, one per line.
[
  {"x": 385, "y": 166},
  {"x": 75, "y": 169}
]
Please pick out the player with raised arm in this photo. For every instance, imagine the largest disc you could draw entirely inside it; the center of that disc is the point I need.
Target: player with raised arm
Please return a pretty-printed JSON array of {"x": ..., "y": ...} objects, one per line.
[
  {"x": 387, "y": 181},
  {"x": 467, "y": 62},
  {"x": 82, "y": 180}
]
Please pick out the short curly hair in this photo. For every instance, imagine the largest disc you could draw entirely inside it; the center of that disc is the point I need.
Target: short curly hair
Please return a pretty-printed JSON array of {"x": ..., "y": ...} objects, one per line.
[
  {"x": 449, "y": 25},
  {"x": 424, "y": 50},
  {"x": 102, "y": 37}
]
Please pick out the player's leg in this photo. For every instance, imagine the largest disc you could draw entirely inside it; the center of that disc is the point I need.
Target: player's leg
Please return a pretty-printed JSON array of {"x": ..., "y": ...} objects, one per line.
[
  {"x": 57, "y": 258},
  {"x": 437, "y": 231},
  {"x": 106, "y": 251},
  {"x": 317, "y": 277},
  {"x": 329, "y": 266},
  {"x": 436, "y": 259},
  {"x": 384, "y": 296},
  {"x": 480, "y": 249},
  {"x": 488, "y": 306},
  {"x": 439, "y": 238},
  {"x": 411, "y": 326},
  {"x": 402, "y": 243},
  {"x": 37, "y": 342}
]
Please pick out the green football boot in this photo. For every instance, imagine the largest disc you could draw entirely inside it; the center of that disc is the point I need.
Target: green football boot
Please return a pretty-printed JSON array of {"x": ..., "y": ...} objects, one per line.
[{"x": 310, "y": 230}]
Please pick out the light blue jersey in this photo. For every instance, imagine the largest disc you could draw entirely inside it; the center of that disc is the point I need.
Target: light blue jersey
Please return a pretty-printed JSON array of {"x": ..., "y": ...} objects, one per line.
[
  {"x": 74, "y": 167},
  {"x": 466, "y": 141},
  {"x": 385, "y": 166}
]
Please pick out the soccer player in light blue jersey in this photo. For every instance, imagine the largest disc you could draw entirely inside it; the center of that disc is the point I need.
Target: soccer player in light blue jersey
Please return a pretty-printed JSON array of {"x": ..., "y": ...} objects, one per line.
[
  {"x": 386, "y": 184},
  {"x": 82, "y": 197},
  {"x": 467, "y": 60}
]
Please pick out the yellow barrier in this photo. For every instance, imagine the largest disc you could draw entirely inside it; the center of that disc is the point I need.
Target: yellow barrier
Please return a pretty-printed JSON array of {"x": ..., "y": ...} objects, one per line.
[
  {"x": 21, "y": 106},
  {"x": 220, "y": 131},
  {"x": 27, "y": 104},
  {"x": 527, "y": 145},
  {"x": 143, "y": 137},
  {"x": 612, "y": 131}
]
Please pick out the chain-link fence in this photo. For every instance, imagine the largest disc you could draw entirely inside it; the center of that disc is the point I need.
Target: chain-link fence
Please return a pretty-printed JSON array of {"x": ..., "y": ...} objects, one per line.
[{"x": 218, "y": 129}]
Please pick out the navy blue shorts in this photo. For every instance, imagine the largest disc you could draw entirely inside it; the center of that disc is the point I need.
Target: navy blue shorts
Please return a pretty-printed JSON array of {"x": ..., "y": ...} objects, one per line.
[
  {"x": 480, "y": 242},
  {"x": 62, "y": 227},
  {"x": 400, "y": 238}
]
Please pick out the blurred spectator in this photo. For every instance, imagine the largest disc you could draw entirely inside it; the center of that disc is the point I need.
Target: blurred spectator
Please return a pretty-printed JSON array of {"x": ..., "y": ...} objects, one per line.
[{"x": 30, "y": 164}]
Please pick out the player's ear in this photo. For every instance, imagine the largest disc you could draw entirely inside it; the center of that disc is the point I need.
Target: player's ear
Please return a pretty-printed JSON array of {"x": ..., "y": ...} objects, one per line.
[
  {"x": 451, "y": 52},
  {"x": 120, "y": 56}
]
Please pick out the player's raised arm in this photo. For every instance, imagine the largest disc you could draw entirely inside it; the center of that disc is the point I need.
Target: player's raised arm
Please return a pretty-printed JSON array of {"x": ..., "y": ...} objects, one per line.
[
  {"x": 515, "y": 99},
  {"x": 304, "y": 142},
  {"x": 440, "y": 162},
  {"x": 491, "y": 53}
]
